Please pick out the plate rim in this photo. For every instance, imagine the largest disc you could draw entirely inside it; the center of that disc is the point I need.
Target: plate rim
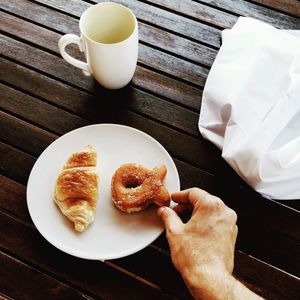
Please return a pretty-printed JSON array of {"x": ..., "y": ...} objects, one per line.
[{"x": 71, "y": 251}]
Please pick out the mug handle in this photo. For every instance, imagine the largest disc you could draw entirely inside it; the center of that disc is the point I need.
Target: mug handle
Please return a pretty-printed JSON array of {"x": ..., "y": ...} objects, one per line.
[{"x": 73, "y": 39}]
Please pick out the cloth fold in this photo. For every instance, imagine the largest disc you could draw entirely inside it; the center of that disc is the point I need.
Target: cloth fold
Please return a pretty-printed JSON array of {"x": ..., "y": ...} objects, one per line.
[{"x": 251, "y": 106}]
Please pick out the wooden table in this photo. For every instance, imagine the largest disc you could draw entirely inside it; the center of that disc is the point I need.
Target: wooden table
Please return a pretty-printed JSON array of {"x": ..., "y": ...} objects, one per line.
[{"x": 43, "y": 97}]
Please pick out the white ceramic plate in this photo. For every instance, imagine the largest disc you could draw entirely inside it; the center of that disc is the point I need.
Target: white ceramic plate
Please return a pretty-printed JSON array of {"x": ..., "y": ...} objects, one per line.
[{"x": 113, "y": 234}]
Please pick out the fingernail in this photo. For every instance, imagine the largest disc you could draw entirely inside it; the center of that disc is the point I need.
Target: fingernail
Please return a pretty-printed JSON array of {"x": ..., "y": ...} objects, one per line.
[{"x": 160, "y": 210}]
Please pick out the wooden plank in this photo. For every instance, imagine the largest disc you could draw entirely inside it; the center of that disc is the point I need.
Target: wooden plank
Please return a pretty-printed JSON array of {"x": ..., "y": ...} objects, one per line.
[
  {"x": 18, "y": 132},
  {"x": 291, "y": 7},
  {"x": 36, "y": 111},
  {"x": 248, "y": 9},
  {"x": 15, "y": 164},
  {"x": 168, "y": 21},
  {"x": 13, "y": 198},
  {"x": 98, "y": 278},
  {"x": 41, "y": 15},
  {"x": 189, "y": 177},
  {"x": 168, "y": 64},
  {"x": 33, "y": 33},
  {"x": 44, "y": 62},
  {"x": 18, "y": 279},
  {"x": 167, "y": 87},
  {"x": 197, "y": 11},
  {"x": 175, "y": 44},
  {"x": 269, "y": 245}
]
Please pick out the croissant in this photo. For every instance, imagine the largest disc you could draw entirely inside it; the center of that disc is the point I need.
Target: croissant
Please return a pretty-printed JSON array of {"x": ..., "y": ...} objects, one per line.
[{"x": 76, "y": 188}]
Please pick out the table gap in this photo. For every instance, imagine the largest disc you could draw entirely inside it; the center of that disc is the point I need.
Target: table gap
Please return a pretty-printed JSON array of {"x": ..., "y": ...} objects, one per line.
[
  {"x": 275, "y": 9},
  {"x": 29, "y": 20},
  {"x": 217, "y": 7},
  {"x": 175, "y": 55},
  {"x": 174, "y": 11}
]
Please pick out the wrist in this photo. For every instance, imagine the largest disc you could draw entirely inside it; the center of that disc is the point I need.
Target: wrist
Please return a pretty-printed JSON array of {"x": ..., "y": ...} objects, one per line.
[
  {"x": 217, "y": 284},
  {"x": 210, "y": 283}
]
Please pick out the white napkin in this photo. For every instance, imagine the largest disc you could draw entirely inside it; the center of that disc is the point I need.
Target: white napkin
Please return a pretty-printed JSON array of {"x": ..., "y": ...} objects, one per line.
[{"x": 251, "y": 106}]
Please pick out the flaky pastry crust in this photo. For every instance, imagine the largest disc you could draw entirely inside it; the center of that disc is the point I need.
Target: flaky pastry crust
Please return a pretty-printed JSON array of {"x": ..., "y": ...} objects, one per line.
[{"x": 76, "y": 188}]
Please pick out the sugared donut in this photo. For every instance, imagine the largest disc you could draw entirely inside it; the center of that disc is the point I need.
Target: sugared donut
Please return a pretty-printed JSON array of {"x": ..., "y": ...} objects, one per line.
[{"x": 135, "y": 187}]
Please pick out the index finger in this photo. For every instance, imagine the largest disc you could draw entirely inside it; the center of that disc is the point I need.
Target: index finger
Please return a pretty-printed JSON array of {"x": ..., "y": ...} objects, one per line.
[{"x": 190, "y": 196}]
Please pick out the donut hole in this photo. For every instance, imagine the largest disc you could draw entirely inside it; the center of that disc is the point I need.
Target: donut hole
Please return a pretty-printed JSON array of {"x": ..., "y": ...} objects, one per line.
[{"x": 132, "y": 182}]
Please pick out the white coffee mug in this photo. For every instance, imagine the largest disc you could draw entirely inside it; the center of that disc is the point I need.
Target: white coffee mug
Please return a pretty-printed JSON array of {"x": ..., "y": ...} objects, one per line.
[{"x": 109, "y": 40}]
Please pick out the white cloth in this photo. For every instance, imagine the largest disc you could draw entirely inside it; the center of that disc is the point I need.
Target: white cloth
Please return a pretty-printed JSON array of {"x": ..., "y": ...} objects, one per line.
[{"x": 251, "y": 106}]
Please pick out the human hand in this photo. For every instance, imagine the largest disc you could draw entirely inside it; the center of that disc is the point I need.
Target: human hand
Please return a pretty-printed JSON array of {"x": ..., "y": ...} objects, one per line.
[{"x": 202, "y": 249}]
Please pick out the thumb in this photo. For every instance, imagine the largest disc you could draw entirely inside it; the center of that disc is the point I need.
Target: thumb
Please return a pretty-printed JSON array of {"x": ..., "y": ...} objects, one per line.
[{"x": 170, "y": 219}]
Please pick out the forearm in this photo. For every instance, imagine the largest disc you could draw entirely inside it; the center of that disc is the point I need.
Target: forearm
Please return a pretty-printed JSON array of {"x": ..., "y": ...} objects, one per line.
[
  {"x": 240, "y": 289},
  {"x": 218, "y": 286}
]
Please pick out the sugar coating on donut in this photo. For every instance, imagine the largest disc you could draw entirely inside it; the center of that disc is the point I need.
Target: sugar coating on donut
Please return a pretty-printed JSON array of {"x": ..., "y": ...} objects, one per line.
[{"x": 135, "y": 187}]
